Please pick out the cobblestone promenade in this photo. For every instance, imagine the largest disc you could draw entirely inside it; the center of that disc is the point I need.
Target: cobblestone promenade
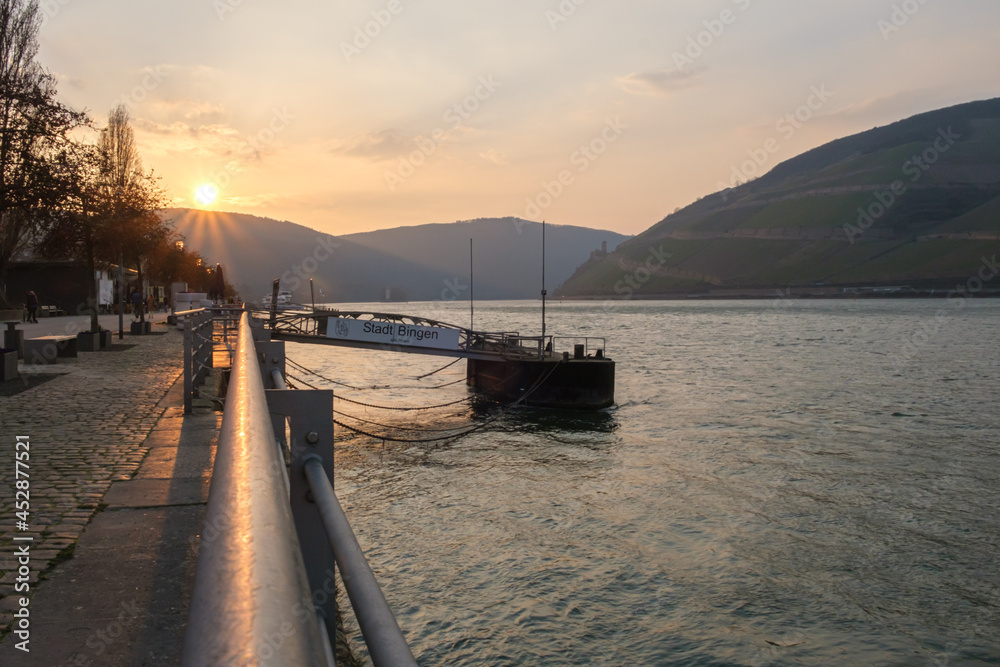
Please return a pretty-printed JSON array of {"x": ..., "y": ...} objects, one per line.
[{"x": 87, "y": 428}]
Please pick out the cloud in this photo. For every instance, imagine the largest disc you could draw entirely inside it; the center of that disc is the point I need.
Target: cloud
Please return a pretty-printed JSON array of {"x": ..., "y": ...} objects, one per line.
[
  {"x": 658, "y": 83},
  {"x": 392, "y": 144},
  {"x": 382, "y": 144},
  {"x": 494, "y": 156},
  {"x": 180, "y": 129},
  {"x": 187, "y": 109},
  {"x": 212, "y": 141},
  {"x": 76, "y": 82},
  {"x": 249, "y": 202}
]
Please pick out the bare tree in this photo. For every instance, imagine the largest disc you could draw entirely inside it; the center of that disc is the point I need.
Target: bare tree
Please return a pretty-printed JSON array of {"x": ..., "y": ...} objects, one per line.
[
  {"x": 129, "y": 199},
  {"x": 36, "y": 165}
]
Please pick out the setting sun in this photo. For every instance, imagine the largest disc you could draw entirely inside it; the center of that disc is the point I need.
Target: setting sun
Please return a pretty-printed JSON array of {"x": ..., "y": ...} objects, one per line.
[{"x": 206, "y": 194}]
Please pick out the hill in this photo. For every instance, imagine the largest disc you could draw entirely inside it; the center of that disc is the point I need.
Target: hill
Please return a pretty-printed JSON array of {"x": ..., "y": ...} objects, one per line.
[
  {"x": 914, "y": 203},
  {"x": 419, "y": 263}
]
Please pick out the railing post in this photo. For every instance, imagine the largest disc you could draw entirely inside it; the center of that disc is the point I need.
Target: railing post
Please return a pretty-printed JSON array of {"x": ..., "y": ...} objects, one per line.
[
  {"x": 188, "y": 368},
  {"x": 206, "y": 347},
  {"x": 271, "y": 355},
  {"x": 386, "y": 643},
  {"x": 310, "y": 415}
]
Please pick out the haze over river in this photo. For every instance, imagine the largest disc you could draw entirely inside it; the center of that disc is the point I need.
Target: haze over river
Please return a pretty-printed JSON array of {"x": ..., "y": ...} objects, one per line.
[{"x": 788, "y": 482}]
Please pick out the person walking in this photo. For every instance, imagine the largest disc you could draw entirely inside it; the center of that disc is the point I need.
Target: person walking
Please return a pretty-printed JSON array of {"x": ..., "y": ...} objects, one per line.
[
  {"x": 136, "y": 304},
  {"x": 31, "y": 304}
]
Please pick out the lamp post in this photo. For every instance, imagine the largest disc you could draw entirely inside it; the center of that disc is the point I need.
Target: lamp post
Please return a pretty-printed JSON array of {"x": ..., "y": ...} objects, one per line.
[{"x": 121, "y": 297}]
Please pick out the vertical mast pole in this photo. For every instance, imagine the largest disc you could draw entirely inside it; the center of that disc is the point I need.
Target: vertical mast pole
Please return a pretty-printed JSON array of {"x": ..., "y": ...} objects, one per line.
[
  {"x": 543, "y": 284},
  {"x": 472, "y": 292}
]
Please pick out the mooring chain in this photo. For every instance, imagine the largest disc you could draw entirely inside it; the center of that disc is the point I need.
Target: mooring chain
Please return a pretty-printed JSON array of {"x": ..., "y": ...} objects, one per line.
[
  {"x": 421, "y": 377},
  {"x": 407, "y": 409},
  {"x": 331, "y": 380},
  {"x": 398, "y": 428},
  {"x": 390, "y": 438},
  {"x": 455, "y": 436},
  {"x": 375, "y": 387}
]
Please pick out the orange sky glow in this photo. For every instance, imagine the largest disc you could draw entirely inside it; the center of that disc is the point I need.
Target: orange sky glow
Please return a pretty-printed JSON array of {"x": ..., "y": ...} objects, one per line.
[{"x": 356, "y": 116}]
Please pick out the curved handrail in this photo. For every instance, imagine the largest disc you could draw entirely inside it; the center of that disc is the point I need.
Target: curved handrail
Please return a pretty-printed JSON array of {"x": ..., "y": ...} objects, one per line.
[{"x": 247, "y": 602}]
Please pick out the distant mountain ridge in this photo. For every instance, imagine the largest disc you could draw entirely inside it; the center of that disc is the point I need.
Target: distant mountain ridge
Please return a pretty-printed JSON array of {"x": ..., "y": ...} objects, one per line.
[
  {"x": 914, "y": 202},
  {"x": 419, "y": 263}
]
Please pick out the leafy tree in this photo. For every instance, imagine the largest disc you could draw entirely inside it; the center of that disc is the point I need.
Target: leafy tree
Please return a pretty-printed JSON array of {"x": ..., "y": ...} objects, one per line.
[
  {"x": 76, "y": 230},
  {"x": 218, "y": 288},
  {"x": 37, "y": 168}
]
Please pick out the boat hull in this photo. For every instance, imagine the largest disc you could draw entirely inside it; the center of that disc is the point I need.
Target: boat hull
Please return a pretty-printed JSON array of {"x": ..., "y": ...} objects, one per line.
[{"x": 574, "y": 384}]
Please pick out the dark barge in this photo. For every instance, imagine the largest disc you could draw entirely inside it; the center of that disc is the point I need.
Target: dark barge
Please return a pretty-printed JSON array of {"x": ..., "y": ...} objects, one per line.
[
  {"x": 511, "y": 367},
  {"x": 568, "y": 382}
]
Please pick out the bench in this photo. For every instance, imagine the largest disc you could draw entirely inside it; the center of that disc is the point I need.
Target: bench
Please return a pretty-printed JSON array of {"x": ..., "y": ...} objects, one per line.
[
  {"x": 50, "y": 311},
  {"x": 45, "y": 349}
]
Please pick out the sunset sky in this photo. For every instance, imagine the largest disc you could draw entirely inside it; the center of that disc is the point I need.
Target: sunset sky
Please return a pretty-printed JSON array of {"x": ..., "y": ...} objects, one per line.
[{"x": 370, "y": 114}]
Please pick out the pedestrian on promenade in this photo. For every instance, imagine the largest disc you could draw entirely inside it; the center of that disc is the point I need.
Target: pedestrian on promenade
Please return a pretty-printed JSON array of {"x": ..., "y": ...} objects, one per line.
[
  {"x": 136, "y": 304},
  {"x": 150, "y": 304},
  {"x": 31, "y": 305}
]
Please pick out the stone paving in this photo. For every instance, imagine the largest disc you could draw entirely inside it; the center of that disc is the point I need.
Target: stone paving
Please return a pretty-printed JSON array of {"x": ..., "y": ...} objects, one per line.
[{"x": 87, "y": 429}]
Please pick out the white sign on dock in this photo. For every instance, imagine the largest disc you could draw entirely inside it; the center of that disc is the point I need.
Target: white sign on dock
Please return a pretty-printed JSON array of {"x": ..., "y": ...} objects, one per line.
[{"x": 392, "y": 333}]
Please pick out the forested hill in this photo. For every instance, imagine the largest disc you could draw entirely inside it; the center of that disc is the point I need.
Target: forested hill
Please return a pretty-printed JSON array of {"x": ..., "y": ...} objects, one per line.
[
  {"x": 916, "y": 202},
  {"x": 424, "y": 262}
]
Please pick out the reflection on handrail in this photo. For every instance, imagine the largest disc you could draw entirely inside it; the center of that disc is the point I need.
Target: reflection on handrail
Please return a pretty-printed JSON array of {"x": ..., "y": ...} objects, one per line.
[{"x": 251, "y": 577}]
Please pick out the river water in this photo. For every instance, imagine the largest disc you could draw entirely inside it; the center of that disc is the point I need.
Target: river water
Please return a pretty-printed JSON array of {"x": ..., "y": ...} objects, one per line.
[{"x": 780, "y": 483}]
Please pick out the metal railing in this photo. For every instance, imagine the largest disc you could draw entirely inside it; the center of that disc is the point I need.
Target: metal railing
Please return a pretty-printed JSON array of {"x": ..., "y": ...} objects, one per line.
[
  {"x": 246, "y": 607},
  {"x": 204, "y": 329},
  {"x": 599, "y": 345},
  {"x": 265, "y": 567},
  {"x": 383, "y": 637},
  {"x": 294, "y": 325},
  {"x": 198, "y": 350}
]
